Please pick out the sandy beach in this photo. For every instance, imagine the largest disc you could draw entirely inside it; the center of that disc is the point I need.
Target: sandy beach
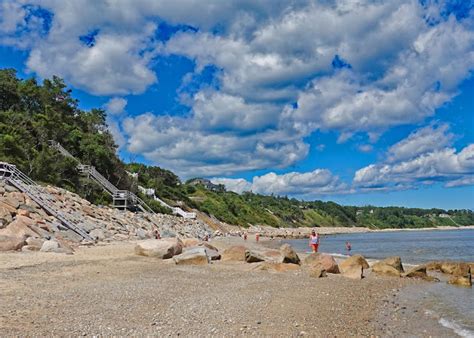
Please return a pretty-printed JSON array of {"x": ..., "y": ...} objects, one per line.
[{"x": 108, "y": 290}]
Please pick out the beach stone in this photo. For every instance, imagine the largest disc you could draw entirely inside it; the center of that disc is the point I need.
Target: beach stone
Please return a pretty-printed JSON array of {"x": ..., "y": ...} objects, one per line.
[
  {"x": 209, "y": 246},
  {"x": 7, "y": 207},
  {"x": 462, "y": 269},
  {"x": 142, "y": 234},
  {"x": 214, "y": 255},
  {"x": 23, "y": 212},
  {"x": 19, "y": 227},
  {"x": 353, "y": 272},
  {"x": 356, "y": 260},
  {"x": 162, "y": 248},
  {"x": 30, "y": 248},
  {"x": 322, "y": 261},
  {"x": 194, "y": 256},
  {"x": 32, "y": 241},
  {"x": 190, "y": 242},
  {"x": 381, "y": 268},
  {"x": 448, "y": 267},
  {"x": 50, "y": 246},
  {"x": 5, "y": 216},
  {"x": 8, "y": 243},
  {"x": 252, "y": 256},
  {"x": 97, "y": 234},
  {"x": 289, "y": 255},
  {"x": 12, "y": 201},
  {"x": 317, "y": 272},
  {"x": 277, "y": 267},
  {"x": 461, "y": 280},
  {"x": 433, "y": 266},
  {"x": 394, "y": 261},
  {"x": 419, "y": 272},
  {"x": 234, "y": 253}
]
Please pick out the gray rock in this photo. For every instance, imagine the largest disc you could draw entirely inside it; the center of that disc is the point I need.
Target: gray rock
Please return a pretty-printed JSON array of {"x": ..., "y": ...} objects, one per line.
[
  {"x": 213, "y": 254},
  {"x": 141, "y": 233},
  {"x": 161, "y": 248},
  {"x": 50, "y": 246},
  {"x": 97, "y": 234},
  {"x": 193, "y": 256}
]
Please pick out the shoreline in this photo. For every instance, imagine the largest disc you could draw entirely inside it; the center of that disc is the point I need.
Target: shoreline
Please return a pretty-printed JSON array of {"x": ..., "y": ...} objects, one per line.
[{"x": 300, "y": 233}]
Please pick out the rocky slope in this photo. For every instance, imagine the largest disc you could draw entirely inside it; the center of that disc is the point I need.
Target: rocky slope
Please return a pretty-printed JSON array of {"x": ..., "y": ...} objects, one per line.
[{"x": 24, "y": 223}]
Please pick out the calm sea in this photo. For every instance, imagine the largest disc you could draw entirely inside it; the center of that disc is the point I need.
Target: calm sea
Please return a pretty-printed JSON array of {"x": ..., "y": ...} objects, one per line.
[
  {"x": 451, "y": 306},
  {"x": 411, "y": 246}
]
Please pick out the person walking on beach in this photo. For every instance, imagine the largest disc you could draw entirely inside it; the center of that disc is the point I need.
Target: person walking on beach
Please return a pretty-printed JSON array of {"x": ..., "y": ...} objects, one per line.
[
  {"x": 314, "y": 241},
  {"x": 257, "y": 237},
  {"x": 245, "y": 236}
]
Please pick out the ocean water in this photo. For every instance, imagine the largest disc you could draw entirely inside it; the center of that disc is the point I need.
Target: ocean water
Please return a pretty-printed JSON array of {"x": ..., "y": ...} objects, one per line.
[
  {"x": 412, "y": 246},
  {"x": 451, "y": 306}
]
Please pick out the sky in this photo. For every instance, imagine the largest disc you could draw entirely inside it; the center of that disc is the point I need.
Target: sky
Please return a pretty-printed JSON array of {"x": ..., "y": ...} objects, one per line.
[{"x": 356, "y": 101}]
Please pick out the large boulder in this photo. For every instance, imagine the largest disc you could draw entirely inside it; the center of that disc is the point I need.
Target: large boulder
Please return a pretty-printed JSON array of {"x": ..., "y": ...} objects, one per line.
[
  {"x": 323, "y": 262},
  {"x": 289, "y": 255},
  {"x": 277, "y": 267},
  {"x": 448, "y": 267},
  {"x": 234, "y": 253},
  {"x": 382, "y": 268},
  {"x": 451, "y": 268},
  {"x": 419, "y": 272},
  {"x": 12, "y": 201},
  {"x": 461, "y": 275},
  {"x": 254, "y": 256},
  {"x": 21, "y": 226},
  {"x": 353, "y": 272},
  {"x": 394, "y": 261},
  {"x": 161, "y": 248},
  {"x": 353, "y": 267},
  {"x": 462, "y": 269},
  {"x": 190, "y": 242},
  {"x": 194, "y": 256},
  {"x": 317, "y": 272},
  {"x": 8, "y": 243},
  {"x": 461, "y": 280},
  {"x": 214, "y": 255}
]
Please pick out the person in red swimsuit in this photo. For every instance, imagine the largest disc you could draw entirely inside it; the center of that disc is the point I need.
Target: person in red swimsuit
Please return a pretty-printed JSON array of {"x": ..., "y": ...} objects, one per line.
[{"x": 314, "y": 241}]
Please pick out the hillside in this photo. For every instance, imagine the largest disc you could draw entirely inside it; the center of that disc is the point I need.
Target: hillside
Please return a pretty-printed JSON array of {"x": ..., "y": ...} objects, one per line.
[{"x": 31, "y": 114}]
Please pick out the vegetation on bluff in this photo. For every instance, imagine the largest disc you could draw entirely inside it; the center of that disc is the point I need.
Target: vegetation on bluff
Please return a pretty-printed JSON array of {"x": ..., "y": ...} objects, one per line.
[{"x": 31, "y": 114}]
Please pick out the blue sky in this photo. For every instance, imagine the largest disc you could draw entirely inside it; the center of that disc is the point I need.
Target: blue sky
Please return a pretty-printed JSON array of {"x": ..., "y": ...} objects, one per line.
[{"x": 360, "y": 102}]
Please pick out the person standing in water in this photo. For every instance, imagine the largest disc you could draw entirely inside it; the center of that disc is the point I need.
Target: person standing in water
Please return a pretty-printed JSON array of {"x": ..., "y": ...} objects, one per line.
[
  {"x": 348, "y": 248},
  {"x": 257, "y": 237},
  {"x": 314, "y": 241}
]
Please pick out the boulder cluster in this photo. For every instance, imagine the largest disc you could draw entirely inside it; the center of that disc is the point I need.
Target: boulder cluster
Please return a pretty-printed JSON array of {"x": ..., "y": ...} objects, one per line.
[
  {"x": 24, "y": 225},
  {"x": 195, "y": 252}
]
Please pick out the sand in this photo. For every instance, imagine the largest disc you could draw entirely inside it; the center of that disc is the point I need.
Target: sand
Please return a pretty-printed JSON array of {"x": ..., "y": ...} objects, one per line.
[{"x": 107, "y": 290}]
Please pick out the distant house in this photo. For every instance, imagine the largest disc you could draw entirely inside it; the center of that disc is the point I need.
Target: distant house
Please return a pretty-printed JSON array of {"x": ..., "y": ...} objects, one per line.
[
  {"x": 206, "y": 184},
  {"x": 359, "y": 212},
  {"x": 443, "y": 215}
]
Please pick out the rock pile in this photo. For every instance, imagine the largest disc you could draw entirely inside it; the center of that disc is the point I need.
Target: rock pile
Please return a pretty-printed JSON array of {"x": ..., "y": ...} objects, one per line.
[{"x": 21, "y": 219}]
